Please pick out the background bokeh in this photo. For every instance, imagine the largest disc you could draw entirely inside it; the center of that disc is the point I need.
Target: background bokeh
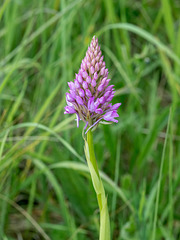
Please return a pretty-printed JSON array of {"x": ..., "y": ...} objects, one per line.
[{"x": 45, "y": 188}]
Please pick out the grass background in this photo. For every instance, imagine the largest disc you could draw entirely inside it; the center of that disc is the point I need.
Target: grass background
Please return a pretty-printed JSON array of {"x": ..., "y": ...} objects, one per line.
[{"x": 45, "y": 188}]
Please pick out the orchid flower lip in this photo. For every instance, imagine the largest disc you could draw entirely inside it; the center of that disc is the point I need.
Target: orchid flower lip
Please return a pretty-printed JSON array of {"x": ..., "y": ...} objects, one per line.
[{"x": 89, "y": 94}]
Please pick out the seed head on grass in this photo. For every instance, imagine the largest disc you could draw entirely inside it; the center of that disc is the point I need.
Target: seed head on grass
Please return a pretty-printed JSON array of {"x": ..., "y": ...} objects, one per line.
[{"x": 90, "y": 95}]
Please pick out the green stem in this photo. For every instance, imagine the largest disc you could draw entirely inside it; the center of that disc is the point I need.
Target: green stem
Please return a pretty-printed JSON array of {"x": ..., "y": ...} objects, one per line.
[
  {"x": 91, "y": 151},
  {"x": 98, "y": 187}
]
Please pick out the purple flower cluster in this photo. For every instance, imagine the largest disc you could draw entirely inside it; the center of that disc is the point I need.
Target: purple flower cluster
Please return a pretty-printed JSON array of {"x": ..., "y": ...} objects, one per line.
[{"x": 89, "y": 95}]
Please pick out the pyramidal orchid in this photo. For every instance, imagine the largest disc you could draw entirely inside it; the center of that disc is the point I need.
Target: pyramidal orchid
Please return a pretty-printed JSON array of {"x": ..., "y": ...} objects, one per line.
[
  {"x": 89, "y": 98},
  {"x": 90, "y": 94}
]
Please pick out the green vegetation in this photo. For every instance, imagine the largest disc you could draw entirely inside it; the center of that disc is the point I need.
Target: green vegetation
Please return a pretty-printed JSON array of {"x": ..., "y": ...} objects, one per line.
[{"x": 45, "y": 187}]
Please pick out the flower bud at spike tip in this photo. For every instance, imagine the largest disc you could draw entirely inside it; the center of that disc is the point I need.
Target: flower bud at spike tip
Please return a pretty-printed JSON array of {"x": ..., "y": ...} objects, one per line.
[{"x": 90, "y": 94}]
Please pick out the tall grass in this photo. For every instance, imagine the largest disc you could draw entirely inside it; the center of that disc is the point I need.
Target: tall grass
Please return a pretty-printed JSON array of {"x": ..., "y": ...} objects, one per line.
[{"x": 45, "y": 186}]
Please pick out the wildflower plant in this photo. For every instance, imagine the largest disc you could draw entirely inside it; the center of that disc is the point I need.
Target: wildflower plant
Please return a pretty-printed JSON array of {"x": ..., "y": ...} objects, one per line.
[{"x": 89, "y": 98}]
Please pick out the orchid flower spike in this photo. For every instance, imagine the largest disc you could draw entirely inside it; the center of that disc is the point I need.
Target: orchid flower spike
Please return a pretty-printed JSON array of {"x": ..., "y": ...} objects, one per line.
[{"x": 90, "y": 95}]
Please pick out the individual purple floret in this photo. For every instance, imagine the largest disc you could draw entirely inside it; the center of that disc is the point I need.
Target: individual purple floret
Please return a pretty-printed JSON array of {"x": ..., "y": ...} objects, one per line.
[{"x": 89, "y": 95}]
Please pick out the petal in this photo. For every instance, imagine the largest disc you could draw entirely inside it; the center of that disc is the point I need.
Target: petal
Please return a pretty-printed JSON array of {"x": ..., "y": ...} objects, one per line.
[
  {"x": 115, "y": 106},
  {"x": 81, "y": 92},
  {"x": 99, "y": 111},
  {"x": 102, "y": 100},
  {"x": 77, "y": 85},
  {"x": 97, "y": 67},
  {"x": 88, "y": 93},
  {"x": 110, "y": 97},
  {"x": 79, "y": 100},
  {"x": 114, "y": 114},
  {"x": 101, "y": 59},
  {"x": 103, "y": 81},
  {"x": 88, "y": 79},
  {"x": 95, "y": 76},
  {"x": 69, "y": 97},
  {"x": 109, "y": 88},
  {"x": 71, "y": 85},
  {"x": 79, "y": 78},
  {"x": 92, "y": 69},
  {"x": 100, "y": 87},
  {"x": 84, "y": 74},
  {"x": 114, "y": 120},
  {"x": 96, "y": 104},
  {"x": 69, "y": 110},
  {"x": 102, "y": 71},
  {"x": 73, "y": 93},
  {"x": 69, "y": 103},
  {"x": 107, "y": 82},
  {"x": 85, "y": 85},
  {"x": 91, "y": 104},
  {"x": 93, "y": 62},
  {"x": 107, "y": 94},
  {"x": 109, "y": 116},
  {"x": 93, "y": 83}
]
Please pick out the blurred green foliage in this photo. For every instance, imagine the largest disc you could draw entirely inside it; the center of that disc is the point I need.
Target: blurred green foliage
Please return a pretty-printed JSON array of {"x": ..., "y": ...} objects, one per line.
[{"x": 45, "y": 187}]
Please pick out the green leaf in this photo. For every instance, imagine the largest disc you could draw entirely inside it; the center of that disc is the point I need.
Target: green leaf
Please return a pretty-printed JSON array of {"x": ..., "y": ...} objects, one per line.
[
  {"x": 95, "y": 179},
  {"x": 104, "y": 222}
]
